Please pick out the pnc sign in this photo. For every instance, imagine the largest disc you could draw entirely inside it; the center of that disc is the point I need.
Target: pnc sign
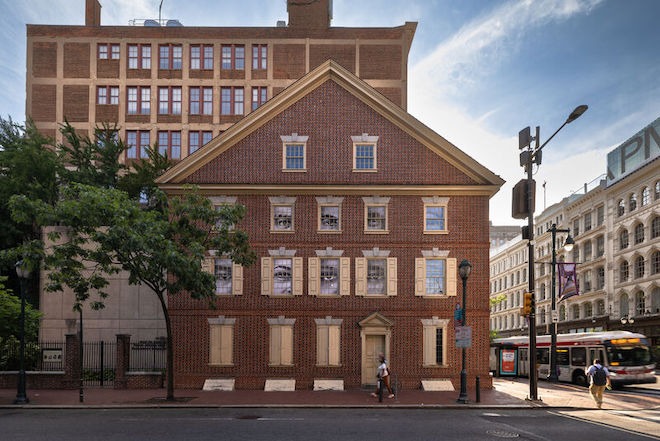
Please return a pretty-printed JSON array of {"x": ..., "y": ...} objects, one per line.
[{"x": 633, "y": 154}]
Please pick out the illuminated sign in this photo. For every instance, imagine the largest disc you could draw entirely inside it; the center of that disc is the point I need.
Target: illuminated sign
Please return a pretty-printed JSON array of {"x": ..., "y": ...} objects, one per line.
[{"x": 633, "y": 154}]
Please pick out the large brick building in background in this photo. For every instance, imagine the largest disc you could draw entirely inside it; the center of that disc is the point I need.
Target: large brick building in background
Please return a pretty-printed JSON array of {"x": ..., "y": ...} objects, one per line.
[{"x": 358, "y": 212}]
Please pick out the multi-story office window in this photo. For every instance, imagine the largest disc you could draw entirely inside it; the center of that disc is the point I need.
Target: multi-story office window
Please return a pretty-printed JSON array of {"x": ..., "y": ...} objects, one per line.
[
  {"x": 587, "y": 251},
  {"x": 646, "y": 196},
  {"x": 376, "y": 276},
  {"x": 587, "y": 222},
  {"x": 624, "y": 271},
  {"x": 233, "y": 57},
  {"x": 621, "y": 208},
  {"x": 169, "y": 100},
  {"x": 170, "y": 56},
  {"x": 655, "y": 263},
  {"x": 600, "y": 277},
  {"x": 259, "y": 96},
  {"x": 138, "y": 100},
  {"x": 639, "y": 233},
  {"x": 201, "y": 57},
  {"x": 640, "y": 303},
  {"x": 107, "y": 95},
  {"x": 587, "y": 281},
  {"x": 169, "y": 144},
  {"x": 282, "y": 214},
  {"x": 201, "y": 100},
  {"x": 365, "y": 157},
  {"x": 222, "y": 269},
  {"x": 431, "y": 276},
  {"x": 576, "y": 227},
  {"x": 294, "y": 156},
  {"x": 639, "y": 267},
  {"x": 588, "y": 310},
  {"x": 139, "y": 56},
  {"x": 623, "y": 240},
  {"x": 231, "y": 101},
  {"x": 376, "y": 218},
  {"x": 600, "y": 215},
  {"x": 137, "y": 144},
  {"x": 197, "y": 138},
  {"x": 259, "y": 57},
  {"x": 108, "y": 51},
  {"x": 657, "y": 190},
  {"x": 600, "y": 246},
  {"x": 655, "y": 227},
  {"x": 328, "y": 275},
  {"x": 632, "y": 202},
  {"x": 600, "y": 307}
]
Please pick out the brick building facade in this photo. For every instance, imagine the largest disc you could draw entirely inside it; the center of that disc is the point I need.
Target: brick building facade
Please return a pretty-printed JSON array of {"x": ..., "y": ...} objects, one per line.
[{"x": 358, "y": 214}]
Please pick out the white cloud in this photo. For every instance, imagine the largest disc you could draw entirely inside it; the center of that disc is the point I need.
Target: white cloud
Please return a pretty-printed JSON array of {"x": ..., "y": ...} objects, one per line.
[{"x": 438, "y": 80}]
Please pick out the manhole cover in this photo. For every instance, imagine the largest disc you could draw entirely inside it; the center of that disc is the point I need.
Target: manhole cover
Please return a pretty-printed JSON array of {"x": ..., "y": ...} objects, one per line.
[{"x": 503, "y": 434}]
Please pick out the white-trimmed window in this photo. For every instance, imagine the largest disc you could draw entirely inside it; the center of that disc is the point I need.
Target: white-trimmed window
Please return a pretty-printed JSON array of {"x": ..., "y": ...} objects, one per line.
[
  {"x": 435, "y": 215},
  {"x": 435, "y": 341},
  {"x": 139, "y": 56},
  {"x": 233, "y": 57},
  {"x": 171, "y": 56},
  {"x": 282, "y": 273},
  {"x": 221, "y": 341},
  {"x": 228, "y": 275},
  {"x": 169, "y": 100},
  {"x": 435, "y": 274},
  {"x": 375, "y": 214},
  {"x": 375, "y": 274},
  {"x": 201, "y": 57},
  {"x": 294, "y": 149},
  {"x": 329, "y": 274},
  {"x": 107, "y": 95},
  {"x": 328, "y": 341},
  {"x": 220, "y": 202},
  {"x": 364, "y": 153},
  {"x": 108, "y": 51},
  {"x": 282, "y": 214},
  {"x": 329, "y": 214},
  {"x": 138, "y": 100},
  {"x": 280, "y": 341}
]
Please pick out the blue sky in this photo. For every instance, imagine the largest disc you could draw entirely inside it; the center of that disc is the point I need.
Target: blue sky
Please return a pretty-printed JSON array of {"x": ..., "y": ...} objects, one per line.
[{"x": 479, "y": 70}]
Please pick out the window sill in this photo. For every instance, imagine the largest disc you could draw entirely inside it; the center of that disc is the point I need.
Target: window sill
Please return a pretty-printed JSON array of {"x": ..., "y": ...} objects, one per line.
[
  {"x": 436, "y": 231},
  {"x": 294, "y": 170},
  {"x": 365, "y": 170},
  {"x": 376, "y": 231},
  {"x": 329, "y": 231}
]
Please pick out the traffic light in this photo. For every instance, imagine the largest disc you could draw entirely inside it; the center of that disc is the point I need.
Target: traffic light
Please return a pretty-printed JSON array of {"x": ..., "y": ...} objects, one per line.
[{"x": 528, "y": 299}]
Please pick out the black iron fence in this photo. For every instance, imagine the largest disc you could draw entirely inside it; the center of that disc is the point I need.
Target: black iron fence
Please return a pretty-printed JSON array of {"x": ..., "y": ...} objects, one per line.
[
  {"x": 148, "y": 356},
  {"x": 99, "y": 358},
  {"x": 43, "y": 356}
]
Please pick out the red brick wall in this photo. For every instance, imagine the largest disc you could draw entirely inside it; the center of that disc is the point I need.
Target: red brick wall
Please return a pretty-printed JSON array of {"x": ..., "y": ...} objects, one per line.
[
  {"x": 342, "y": 53},
  {"x": 76, "y": 103},
  {"x": 107, "y": 68},
  {"x": 44, "y": 99},
  {"x": 288, "y": 61},
  {"x": 44, "y": 60},
  {"x": 380, "y": 62},
  {"x": 76, "y": 60}
]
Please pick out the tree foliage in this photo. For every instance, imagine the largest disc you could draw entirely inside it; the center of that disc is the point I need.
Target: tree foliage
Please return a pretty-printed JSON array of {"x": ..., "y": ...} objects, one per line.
[{"x": 10, "y": 313}]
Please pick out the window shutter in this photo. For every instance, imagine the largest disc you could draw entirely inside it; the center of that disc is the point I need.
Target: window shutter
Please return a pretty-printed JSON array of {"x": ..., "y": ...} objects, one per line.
[
  {"x": 286, "y": 333},
  {"x": 313, "y": 278},
  {"x": 226, "y": 344},
  {"x": 275, "y": 345},
  {"x": 216, "y": 344},
  {"x": 237, "y": 279},
  {"x": 420, "y": 276},
  {"x": 345, "y": 276},
  {"x": 333, "y": 345},
  {"x": 452, "y": 278},
  {"x": 360, "y": 276},
  {"x": 391, "y": 276},
  {"x": 208, "y": 265},
  {"x": 266, "y": 276},
  {"x": 429, "y": 346},
  {"x": 297, "y": 276},
  {"x": 322, "y": 345}
]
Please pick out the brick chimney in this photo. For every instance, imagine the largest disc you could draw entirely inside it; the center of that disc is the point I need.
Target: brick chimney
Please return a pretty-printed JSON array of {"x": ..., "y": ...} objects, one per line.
[
  {"x": 92, "y": 13},
  {"x": 309, "y": 14}
]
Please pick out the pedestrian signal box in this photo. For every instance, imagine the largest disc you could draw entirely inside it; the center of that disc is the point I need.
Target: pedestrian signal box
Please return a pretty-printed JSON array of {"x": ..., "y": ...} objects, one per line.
[{"x": 528, "y": 299}]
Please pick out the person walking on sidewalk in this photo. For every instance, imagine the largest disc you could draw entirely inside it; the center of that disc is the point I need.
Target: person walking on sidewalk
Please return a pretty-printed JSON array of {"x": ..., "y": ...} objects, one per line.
[
  {"x": 384, "y": 375},
  {"x": 599, "y": 380}
]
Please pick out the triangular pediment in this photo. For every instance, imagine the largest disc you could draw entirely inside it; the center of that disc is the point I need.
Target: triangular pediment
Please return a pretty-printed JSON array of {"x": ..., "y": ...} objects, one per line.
[
  {"x": 376, "y": 320},
  {"x": 474, "y": 177}
]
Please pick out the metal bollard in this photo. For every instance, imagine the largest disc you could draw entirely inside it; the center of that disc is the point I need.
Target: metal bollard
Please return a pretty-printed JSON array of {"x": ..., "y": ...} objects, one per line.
[{"x": 478, "y": 389}]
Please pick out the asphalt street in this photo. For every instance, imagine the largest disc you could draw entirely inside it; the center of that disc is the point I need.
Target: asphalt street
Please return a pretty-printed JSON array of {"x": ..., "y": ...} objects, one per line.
[{"x": 272, "y": 424}]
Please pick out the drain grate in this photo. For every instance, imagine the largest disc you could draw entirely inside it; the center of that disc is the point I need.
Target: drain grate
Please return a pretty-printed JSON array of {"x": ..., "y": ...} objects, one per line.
[{"x": 503, "y": 434}]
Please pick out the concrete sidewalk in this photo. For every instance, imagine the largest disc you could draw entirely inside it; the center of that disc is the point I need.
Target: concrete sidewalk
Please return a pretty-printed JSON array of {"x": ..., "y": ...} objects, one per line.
[{"x": 505, "y": 393}]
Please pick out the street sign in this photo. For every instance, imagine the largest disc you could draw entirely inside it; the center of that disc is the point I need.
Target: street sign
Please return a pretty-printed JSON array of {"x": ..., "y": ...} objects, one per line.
[
  {"x": 555, "y": 316},
  {"x": 463, "y": 337}
]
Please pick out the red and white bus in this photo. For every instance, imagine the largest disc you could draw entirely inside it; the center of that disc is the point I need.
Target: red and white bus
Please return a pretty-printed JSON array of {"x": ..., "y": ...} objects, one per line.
[{"x": 626, "y": 355}]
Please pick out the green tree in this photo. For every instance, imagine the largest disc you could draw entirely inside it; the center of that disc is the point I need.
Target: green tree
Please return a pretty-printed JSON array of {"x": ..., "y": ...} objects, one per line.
[
  {"x": 161, "y": 248},
  {"x": 10, "y": 313}
]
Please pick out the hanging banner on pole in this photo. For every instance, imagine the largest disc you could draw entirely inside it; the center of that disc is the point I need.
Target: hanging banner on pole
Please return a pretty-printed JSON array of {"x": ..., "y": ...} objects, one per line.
[{"x": 568, "y": 282}]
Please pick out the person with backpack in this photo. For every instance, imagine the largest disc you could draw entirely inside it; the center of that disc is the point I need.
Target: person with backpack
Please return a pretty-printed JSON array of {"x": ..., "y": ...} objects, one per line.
[
  {"x": 383, "y": 375},
  {"x": 600, "y": 379}
]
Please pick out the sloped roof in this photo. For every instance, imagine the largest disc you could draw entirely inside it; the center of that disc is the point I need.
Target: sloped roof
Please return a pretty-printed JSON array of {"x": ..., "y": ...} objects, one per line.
[{"x": 331, "y": 71}]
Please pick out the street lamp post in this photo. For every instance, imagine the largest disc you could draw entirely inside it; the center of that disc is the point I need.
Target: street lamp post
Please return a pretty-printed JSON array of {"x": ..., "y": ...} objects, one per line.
[
  {"x": 568, "y": 246},
  {"x": 464, "y": 269},
  {"x": 529, "y": 157},
  {"x": 23, "y": 274}
]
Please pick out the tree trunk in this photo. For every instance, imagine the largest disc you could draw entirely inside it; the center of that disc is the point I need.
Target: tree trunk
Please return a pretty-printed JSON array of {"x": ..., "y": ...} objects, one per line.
[{"x": 170, "y": 348}]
